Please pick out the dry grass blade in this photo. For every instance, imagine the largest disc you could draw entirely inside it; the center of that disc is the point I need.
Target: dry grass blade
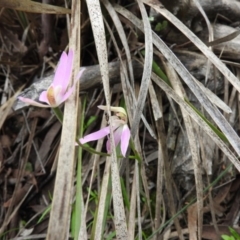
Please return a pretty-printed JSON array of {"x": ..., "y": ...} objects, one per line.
[
  {"x": 34, "y": 7},
  {"x": 189, "y": 125},
  {"x": 160, "y": 173},
  {"x": 146, "y": 71},
  {"x": 62, "y": 197},
  {"x": 96, "y": 19},
  {"x": 83, "y": 228},
  {"x": 122, "y": 35},
  {"x": 209, "y": 26},
  {"x": 227, "y": 38},
  {"x": 102, "y": 202},
  {"x": 187, "y": 77},
  {"x": 210, "y": 33},
  {"x": 132, "y": 214},
  {"x": 157, "y": 112},
  {"x": 104, "y": 189}
]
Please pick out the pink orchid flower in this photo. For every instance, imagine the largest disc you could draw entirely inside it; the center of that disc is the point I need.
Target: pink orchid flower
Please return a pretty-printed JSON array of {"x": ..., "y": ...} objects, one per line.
[
  {"x": 121, "y": 132},
  {"x": 58, "y": 91}
]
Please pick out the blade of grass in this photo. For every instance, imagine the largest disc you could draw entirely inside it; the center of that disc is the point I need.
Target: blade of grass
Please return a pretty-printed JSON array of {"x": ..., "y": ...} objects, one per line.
[
  {"x": 191, "y": 134},
  {"x": 96, "y": 19},
  {"x": 102, "y": 204},
  {"x": 122, "y": 35},
  {"x": 146, "y": 71}
]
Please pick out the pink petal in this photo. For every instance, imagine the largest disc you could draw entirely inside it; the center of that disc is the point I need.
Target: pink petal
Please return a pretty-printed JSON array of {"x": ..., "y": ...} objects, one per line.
[
  {"x": 67, "y": 94},
  {"x": 59, "y": 76},
  {"x": 95, "y": 136},
  {"x": 58, "y": 95},
  {"x": 68, "y": 71},
  {"x": 64, "y": 70},
  {"x": 32, "y": 102},
  {"x": 117, "y": 135},
  {"x": 117, "y": 138},
  {"x": 125, "y": 139},
  {"x": 43, "y": 97},
  {"x": 70, "y": 90}
]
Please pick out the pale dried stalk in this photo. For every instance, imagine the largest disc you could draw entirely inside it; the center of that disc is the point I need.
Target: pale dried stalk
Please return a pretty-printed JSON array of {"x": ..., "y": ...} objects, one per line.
[
  {"x": 159, "y": 210},
  {"x": 102, "y": 201},
  {"x": 146, "y": 70},
  {"x": 104, "y": 188},
  {"x": 62, "y": 197},
  {"x": 96, "y": 19},
  {"x": 122, "y": 35}
]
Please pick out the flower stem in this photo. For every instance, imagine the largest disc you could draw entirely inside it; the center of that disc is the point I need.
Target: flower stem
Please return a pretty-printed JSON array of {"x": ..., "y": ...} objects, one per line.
[{"x": 57, "y": 111}]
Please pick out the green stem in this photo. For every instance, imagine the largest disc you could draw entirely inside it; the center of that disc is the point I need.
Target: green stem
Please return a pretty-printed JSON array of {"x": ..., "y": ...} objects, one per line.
[{"x": 57, "y": 111}]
